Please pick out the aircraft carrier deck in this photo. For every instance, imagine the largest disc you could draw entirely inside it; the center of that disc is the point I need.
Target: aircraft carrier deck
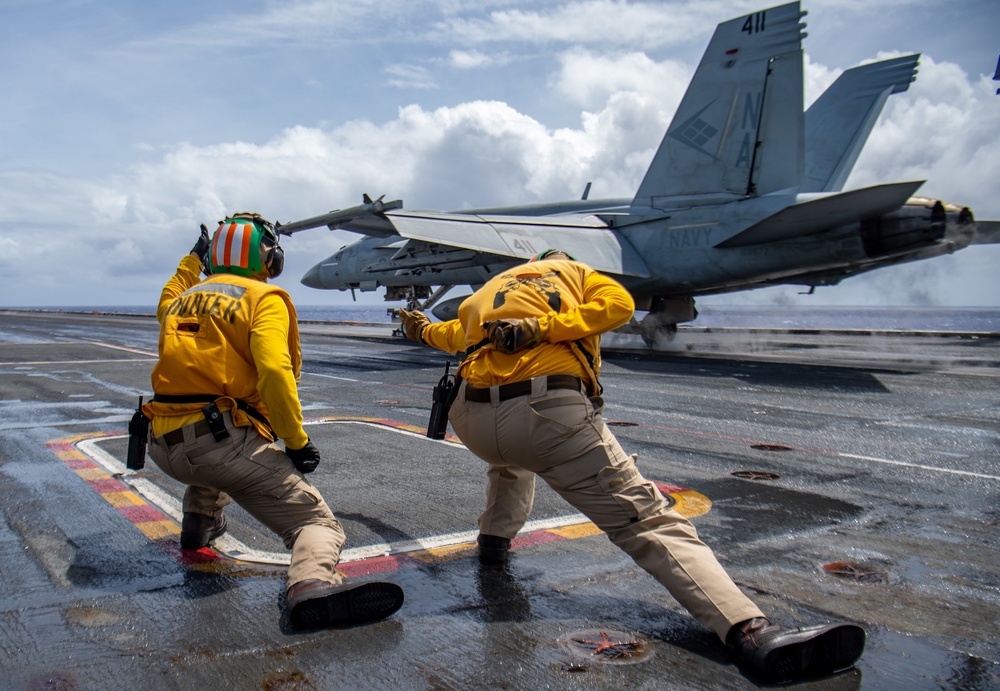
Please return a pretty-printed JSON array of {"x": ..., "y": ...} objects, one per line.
[{"x": 839, "y": 476}]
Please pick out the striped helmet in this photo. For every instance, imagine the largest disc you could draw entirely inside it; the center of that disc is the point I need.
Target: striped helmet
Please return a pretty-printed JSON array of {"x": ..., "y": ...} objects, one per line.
[
  {"x": 246, "y": 245},
  {"x": 549, "y": 252}
]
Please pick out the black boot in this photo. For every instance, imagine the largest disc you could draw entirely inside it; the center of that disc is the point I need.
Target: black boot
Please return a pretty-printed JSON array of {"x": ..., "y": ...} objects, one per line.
[
  {"x": 493, "y": 550},
  {"x": 781, "y": 654},
  {"x": 197, "y": 529},
  {"x": 315, "y": 604}
]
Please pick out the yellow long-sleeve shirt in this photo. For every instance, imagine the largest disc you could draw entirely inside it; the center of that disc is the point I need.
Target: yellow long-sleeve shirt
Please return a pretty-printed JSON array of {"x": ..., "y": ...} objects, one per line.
[
  {"x": 574, "y": 305},
  {"x": 231, "y": 337}
]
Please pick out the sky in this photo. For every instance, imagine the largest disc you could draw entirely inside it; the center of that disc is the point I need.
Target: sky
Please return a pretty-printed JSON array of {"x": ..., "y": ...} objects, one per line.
[{"x": 127, "y": 124}]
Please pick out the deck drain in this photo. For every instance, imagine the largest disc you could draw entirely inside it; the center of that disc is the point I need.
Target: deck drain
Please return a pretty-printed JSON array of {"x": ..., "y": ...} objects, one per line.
[
  {"x": 605, "y": 647},
  {"x": 387, "y": 402},
  {"x": 756, "y": 475},
  {"x": 771, "y": 447},
  {"x": 856, "y": 572},
  {"x": 621, "y": 423}
]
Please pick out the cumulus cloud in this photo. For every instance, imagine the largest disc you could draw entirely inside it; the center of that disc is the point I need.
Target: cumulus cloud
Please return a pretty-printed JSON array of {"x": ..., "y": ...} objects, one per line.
[
  {"x": 588, "y": 79},
  {"x": 944, "y": 131},
  {"x": 137, "y": 222},
  {"x": 816, "y": 79}
]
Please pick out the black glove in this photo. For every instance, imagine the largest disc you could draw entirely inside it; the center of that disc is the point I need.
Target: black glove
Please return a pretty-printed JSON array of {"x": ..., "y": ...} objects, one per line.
[
  {"x": 305, "y": 459},
  {"x": 201, "y": 247}
]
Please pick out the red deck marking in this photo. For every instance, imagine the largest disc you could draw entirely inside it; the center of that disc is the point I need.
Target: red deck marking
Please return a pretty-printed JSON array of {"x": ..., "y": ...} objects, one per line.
[
  {"x": 142, "y": 514},
  {"x": 373, "y": 565},
  {"x": 539, "y": 537},
  {"x": 108, "y": 485},
  {"x": 139, "y": 512}
]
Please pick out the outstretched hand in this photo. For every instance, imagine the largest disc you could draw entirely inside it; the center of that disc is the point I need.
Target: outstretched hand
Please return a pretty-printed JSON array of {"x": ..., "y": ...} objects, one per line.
[{"x": 414, "y": 324}]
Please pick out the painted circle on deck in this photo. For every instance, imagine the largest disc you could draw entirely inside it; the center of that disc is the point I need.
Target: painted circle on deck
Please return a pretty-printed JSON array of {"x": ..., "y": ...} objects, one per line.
[{"x": 684, "y": 501}]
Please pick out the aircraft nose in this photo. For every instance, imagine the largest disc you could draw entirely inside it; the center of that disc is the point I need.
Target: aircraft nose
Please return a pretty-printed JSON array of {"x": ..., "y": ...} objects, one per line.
[{"x": 313, "y": 277}]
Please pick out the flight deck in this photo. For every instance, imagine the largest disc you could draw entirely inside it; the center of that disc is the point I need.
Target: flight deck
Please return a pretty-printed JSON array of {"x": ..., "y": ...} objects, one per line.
[{"x": 839, "y": 476}]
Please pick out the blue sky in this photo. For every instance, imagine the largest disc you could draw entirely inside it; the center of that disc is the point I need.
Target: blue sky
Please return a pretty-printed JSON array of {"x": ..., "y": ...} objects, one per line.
[{"x": 128, "y": 124}]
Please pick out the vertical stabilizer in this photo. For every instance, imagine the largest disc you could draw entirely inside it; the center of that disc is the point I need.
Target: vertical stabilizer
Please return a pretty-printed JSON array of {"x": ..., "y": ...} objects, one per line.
[
  {"x": 739, "y": 129},
  {"x": 837, "y": 125}
]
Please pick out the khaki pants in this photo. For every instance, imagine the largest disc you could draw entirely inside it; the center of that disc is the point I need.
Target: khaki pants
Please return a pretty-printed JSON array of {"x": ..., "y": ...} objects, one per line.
[
  {"x": 258, "y": 476},
  {"x": 561, "y": 437}
]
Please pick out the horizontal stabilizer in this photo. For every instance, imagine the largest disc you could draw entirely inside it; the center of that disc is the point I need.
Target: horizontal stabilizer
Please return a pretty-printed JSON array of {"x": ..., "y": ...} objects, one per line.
[
  {"x": 818, "y": 214},
  {"x": 987, "y": 233},
  {"x": 522, "y": 237}
]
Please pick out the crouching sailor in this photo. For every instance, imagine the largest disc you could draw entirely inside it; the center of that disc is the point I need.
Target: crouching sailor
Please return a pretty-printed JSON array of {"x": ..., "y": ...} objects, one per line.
[{"x": 225, "y": 390}]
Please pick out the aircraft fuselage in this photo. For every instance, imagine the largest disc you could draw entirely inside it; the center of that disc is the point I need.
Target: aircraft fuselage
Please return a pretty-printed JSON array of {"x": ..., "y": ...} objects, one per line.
[{"x": 684, "y": 243}]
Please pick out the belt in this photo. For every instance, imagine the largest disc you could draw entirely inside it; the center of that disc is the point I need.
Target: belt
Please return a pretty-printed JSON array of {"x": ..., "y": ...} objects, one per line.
[
  {"x": 176, "y": 436},
  {"x": 211, "y": 398},
  {"x": 522, "y": 388}
]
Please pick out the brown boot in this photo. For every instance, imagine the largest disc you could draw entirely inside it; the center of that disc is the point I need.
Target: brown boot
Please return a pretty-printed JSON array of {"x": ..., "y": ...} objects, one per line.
[
  {"x": 781, "y": 654},
  {"x": 197, "y": 529},
  {"x": 315, "y": 604}
]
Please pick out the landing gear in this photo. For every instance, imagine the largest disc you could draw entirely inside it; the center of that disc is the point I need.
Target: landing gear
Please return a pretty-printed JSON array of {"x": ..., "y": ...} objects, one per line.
[
  {"x": 657, "y": 329},
  {"x": 418, "y": 299},
  {"x": 395, "y": 319},
  {"x": 659, "y": 326}
]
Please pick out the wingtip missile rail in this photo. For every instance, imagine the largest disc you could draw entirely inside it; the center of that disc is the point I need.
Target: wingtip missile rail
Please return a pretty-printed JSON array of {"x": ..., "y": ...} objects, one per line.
[{"x": 334, "y": 219}]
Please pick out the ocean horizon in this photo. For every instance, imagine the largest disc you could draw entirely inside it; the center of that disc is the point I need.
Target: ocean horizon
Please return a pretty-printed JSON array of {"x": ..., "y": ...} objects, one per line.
[{"x": 957, "y": 319}]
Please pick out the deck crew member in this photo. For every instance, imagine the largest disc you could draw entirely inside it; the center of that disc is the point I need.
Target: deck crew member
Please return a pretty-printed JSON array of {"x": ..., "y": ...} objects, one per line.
[
  {"x": 529, "y": 404},
  {"x": 225, "y": 391}
]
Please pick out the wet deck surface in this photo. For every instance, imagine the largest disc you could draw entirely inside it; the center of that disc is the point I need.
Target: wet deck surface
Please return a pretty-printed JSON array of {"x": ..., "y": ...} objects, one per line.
[{"x": 837, "y": 476}]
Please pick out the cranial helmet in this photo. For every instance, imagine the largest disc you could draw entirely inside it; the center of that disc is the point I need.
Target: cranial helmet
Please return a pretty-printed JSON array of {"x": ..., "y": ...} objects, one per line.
[
  {"x": 246, "y": 245},
  {"x": 548, "y": 253}
]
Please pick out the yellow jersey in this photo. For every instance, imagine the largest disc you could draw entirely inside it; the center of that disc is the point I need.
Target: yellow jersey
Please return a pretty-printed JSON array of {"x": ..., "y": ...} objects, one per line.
[
  {"x": 574, "y": 305},
  {"x": 231, "y": 337}
]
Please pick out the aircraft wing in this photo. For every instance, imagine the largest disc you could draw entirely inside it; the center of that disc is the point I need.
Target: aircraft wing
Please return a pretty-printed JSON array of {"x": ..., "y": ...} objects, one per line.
[
  {"x": 815, "y": 215},
  {"x": 522, "y": 237},
  {"x": 367, "y": 215}
]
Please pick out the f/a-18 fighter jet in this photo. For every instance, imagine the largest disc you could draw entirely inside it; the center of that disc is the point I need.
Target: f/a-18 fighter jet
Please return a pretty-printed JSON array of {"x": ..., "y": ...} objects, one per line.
[{"x": 745, "y": 191}]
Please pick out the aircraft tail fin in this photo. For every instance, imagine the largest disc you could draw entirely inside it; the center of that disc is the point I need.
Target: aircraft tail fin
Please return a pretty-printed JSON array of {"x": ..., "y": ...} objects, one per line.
[
  {"x": 838, "y": 123},
  {"x": 739, "y": 128}
]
